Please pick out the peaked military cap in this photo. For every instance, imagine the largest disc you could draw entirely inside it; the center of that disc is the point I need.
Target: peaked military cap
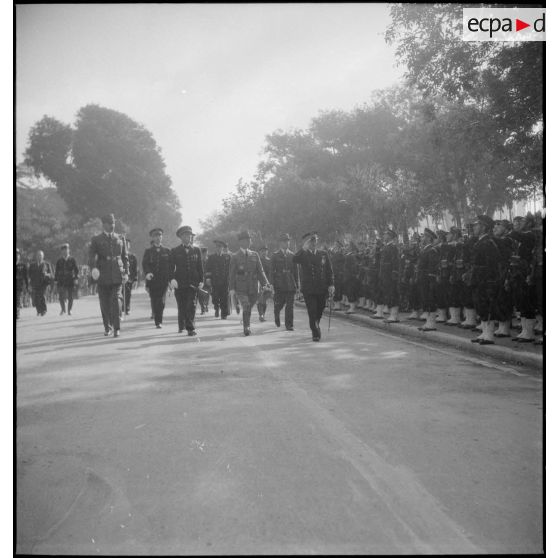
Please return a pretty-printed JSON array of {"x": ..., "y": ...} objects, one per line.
[
  {"x": 309, "y": 234},
  {"x": 108, "y": 218},
  {"x": 484, "y": 220},
  {"x": 284, "y": 236},
  {"x": 430, "y": 232},
  {"x": 65, "y": 245},
  {"x": 243, "y": 235},
  {"x": 220, "y": 243},
  {"x": 455, "y": 230},
  {"x": 503, "y": 222},
  {"x": 441, "y": 234},
  {"x": 156, "y": 230},
  {"x": 184, "y": 229}
]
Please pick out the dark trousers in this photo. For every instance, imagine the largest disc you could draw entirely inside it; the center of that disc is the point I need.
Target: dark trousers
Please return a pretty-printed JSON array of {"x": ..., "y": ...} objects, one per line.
[
  {"x": 428, "y": 287},
  {"x": 503, "y": 304},
  {"x": 110, "y": 298},
  {"x": 186, "y": 300},
  {"x": 286, "y": 299},
  {"x": 204, "y": 301},
  {"x": 18, "y": 301},
  {"x": 220, "y": 297},
  {"x": 315, "y": 304},
  {"x": 157, "y": 298},
  {"x": 351, "y": 288},
  {"x": 484, "y": 295},
  {"x": 39, "y": 300},
  {"x": 127, "y": 295},
  {"x": 442, "y": 293},
  {"x": 66, "y": 293}
]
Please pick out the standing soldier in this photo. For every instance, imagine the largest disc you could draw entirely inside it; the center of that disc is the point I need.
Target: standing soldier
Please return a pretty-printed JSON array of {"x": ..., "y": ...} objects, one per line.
[
  {"x": 22, "y": 281},
  {"x": 156, "y": 268},
  {"x": 285, "y": 281},
  {"x": 485, "y": 262},
  {"x": 317, "y": 280},
  {"x": 108, "y": 260},
  {"x": 66, "y": 276},
  {"x": 245, "y": 271},
  {"x": 443, "y": 277},
  {"x": 503, "y": 307},
  {"x": 132, "y": 278},
  {"x": 410, "y": 273},
  {"x": 217, "y": 278},
  {"x": 389, "y": 275},
  {"x": 456, "y": 270},
  {"x": 427, "y": 273},
  {"x": 264, "y": 294},
  {"x": 375, "y": 279},
  {"x": 350, "y": 277},
  {"x": 186, "y": 272},
  {"x": 361, "y": 265},
  {"x": 40, "y": 276}
]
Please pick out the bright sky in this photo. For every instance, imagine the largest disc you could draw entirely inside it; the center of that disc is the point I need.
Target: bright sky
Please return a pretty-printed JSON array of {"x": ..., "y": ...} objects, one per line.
[{"x": 209, "y": 81}]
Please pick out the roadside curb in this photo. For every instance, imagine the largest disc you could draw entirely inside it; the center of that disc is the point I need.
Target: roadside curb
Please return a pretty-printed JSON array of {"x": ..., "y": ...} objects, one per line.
[{"x": 504, "y": 355}]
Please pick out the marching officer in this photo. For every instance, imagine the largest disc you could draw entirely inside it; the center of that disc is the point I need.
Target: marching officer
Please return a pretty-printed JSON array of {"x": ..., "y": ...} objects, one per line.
[
  {"x": 22, "y": 281},
  {"x": 264, "y": 295},
  {"x": 317, "y": 280},
  {"x": 66, "y": 273},
  {"x": 217, "y": 278},
  {"x": 40, "y": 277},
  {"x": 245, "y": 271},
  {"x": 108, "y": 260},
  {"x": 285, "y": 281},
  {"x": 484, "y": 275},
  {"x": 186, "y": 272},
  {"x": 156, "y": 268},
  {"x": 132, "y": 278}
]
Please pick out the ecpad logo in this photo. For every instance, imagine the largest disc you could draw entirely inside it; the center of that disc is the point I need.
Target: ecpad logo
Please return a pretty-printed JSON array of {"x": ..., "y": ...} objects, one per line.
[{"x": 504, "y": 24}]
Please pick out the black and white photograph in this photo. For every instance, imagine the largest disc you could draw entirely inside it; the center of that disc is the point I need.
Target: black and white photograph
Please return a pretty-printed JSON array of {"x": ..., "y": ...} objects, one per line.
[{"x": 280, "y": 279}]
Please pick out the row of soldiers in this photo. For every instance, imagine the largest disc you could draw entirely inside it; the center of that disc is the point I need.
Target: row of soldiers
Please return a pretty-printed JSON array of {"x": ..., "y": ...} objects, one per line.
[{"x": 489, "y": 275}]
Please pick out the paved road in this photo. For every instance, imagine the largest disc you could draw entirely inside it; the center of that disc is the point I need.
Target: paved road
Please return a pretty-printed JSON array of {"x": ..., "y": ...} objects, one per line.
[{"x": 222, "y": 444}]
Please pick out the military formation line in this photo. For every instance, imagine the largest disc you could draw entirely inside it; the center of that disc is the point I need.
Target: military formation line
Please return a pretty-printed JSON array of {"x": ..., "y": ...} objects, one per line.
[{"x": 478, "y": 280}]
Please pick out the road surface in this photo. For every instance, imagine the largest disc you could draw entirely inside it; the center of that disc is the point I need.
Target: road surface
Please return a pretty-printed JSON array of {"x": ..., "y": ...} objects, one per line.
[{"x": 158, "y": 443}]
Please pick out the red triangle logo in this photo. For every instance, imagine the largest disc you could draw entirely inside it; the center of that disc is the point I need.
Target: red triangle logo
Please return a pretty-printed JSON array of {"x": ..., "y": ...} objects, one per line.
[{"x": 519, "y": 25}]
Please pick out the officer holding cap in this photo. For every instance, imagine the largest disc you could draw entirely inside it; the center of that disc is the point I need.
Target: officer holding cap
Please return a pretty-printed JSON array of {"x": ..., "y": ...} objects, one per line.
[{"x": 108, "y": 260}]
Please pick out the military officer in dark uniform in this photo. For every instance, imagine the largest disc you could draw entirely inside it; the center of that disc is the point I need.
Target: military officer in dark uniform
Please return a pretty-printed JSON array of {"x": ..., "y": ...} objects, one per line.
[
  {"x": 186, "y": 272},
  {"x": 442, "y": 292},
  {"x": 455, "y": 266},
  {"x": 132, "y": 278},
  {"x": 484, "y": 275},
  {"x": 217, "y": 278},
  {"x": 245, "y": 271},
  {"x": 156, "y": 268},
  {"x": 285, "y": 280},
  {"x": 317, "y": 280},
  {"x": 66, "y": 273},
  {"x": 41, "y": 275},
  {"x": 108, "y": 260},
  {"x": 22, "y": 281},
  {"x": 264, "y": 295}
]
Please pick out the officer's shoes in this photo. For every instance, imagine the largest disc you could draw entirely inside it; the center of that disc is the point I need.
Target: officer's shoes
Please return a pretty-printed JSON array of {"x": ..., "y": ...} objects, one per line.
[
  {"x": 69, "y": 313},
  {"x": 277, "y": 320},
  {"x": 289, "y": 328},
  {"x": 216, "y": 313},
  {"x": 192, "y": 333},
  {"x": 116, "y": 333},
  {"x": 315, "y": 338},
  {"x": 180, "y": 330},
  {"x": 158, "y": 326},
  {"x": 107, "y": 331},
  {"x": 224, "y": 317},
  {"x": 262, "y": 319},
  {"x": 62, "y": 312},
  {"x": 247, "y": 331}
]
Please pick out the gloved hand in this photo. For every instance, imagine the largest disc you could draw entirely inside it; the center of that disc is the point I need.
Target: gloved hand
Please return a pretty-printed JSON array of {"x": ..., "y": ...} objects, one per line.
[
  {"x": 95, "y": 273},
  {"x": 173, "y": 284},
  {"x": 149, "y": 276}
]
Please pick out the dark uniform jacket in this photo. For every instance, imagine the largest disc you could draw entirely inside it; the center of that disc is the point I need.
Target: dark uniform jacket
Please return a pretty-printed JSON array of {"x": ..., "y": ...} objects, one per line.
[
  {"x": 428, "y": 263},
  {"x": 217, "y": 269},
  {"x": 245, "y": 272},
  {"x": 156, "y": 260},
  {"x": 186, "y": 266},
  {"x": 485, "y": 260},
  {"x": 109, "y": 255},
  {"x": 389, "y": 263},
  {"x": 22, "y": 277},
  {"x": 133, "y": 265},
  {"x": 40, "y": 275},
  {"x": 317, "y": 273},
  {"x": 284, "y": 272},
  {"x": 66, "y": 272},
  {"x": 266, "y": 264}
]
